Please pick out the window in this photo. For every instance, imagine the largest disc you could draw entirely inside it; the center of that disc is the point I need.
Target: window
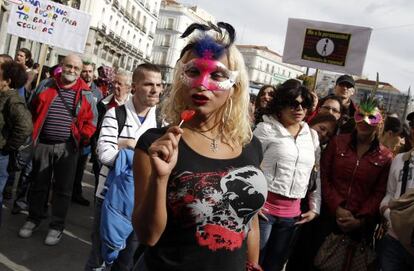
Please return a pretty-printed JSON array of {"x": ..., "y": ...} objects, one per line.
[
  {"x": 163, "y": 59},
  {"x": 167, "y": 41},
  {"x": 144, "y": 22},
  {"x": 170, "y": 23},
  {"x": 96, "y": 48},
  {"x": 138, "y": 18}
]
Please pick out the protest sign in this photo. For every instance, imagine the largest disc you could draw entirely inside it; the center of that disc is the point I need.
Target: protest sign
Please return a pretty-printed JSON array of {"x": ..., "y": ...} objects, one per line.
[
  {"x": 50, "y": 23},
  {"x": 328, "y": 46}
]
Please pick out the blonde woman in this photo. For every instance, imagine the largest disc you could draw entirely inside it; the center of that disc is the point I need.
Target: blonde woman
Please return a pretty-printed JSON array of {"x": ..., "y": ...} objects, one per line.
[{"x": 198, "y": 188}]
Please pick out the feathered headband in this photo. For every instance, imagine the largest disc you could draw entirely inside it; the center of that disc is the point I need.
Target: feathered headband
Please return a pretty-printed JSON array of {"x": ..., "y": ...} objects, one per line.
[
  {"x": 207, "y": 46},
  {"x": 368, "y": 109}
]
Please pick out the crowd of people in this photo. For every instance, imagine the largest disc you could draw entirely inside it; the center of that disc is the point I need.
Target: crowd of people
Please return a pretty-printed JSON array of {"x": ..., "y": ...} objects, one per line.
[{"x": 281, "y": 180}]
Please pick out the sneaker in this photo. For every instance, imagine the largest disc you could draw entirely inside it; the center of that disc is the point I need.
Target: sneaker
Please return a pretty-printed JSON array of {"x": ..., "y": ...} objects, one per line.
[
  {"x": 53, "y": 237},
  {"x": 18, "y": 208},
  {"x": 27, "y": 230}
]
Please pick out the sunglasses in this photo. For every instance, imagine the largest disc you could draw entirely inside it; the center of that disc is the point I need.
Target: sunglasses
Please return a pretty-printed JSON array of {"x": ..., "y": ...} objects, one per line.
[
  {"x": 411, "y": 124},
  {"x": 295, "y": 104}
]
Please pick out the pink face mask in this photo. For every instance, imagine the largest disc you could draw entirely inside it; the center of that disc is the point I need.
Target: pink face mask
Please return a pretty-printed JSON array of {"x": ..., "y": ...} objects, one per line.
[
  {"x": 211, "y": 74},
  {"x": 373, "y": 118}
]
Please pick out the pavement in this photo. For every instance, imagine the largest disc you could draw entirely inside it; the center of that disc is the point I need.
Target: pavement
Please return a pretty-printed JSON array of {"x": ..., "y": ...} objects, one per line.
[{"x": 31, "y": 254}]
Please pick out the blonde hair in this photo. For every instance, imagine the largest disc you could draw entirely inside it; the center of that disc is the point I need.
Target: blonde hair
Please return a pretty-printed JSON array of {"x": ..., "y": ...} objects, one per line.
[{"x": 235, "y": 123}]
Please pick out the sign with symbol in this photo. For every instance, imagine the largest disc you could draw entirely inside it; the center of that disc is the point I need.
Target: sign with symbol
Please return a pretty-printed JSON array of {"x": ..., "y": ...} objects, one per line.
[{"x": 327, "y": 46}]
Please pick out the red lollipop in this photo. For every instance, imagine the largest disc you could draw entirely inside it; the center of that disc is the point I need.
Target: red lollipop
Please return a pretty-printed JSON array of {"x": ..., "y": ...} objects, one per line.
[{"x": 186, "y": 115}]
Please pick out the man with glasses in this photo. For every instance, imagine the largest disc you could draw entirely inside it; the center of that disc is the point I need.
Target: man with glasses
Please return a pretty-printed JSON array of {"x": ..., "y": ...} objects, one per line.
[
  {"x": 331, "y": 105},
  {"x": 63, "y": 112}
]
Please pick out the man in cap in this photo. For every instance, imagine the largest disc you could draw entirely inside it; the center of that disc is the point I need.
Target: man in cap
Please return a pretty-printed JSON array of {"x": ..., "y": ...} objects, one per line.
[{"x": 345, "y": 89}]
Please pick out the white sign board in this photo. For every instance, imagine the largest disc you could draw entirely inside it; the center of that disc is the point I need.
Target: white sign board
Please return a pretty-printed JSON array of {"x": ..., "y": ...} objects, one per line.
[
  {"x": 328, "y": 46},
  {"x": 50, "y": 23}
]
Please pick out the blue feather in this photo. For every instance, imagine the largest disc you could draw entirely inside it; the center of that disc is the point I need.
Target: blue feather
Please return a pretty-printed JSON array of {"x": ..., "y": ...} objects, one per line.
[{"x": 208, "y": 46}]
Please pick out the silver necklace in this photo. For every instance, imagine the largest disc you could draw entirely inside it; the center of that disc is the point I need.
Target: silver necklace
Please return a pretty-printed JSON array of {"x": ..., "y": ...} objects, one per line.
[{"x": 213, "y": 143}]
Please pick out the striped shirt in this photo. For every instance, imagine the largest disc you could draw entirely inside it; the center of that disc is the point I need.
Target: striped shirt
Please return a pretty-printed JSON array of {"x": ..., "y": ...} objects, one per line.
[
  {"x": 108, "y": 138},
  {"x": 57, "y": 125}
]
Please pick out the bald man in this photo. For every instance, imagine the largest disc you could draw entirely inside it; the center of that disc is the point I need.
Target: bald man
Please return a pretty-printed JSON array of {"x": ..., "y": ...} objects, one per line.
[{"x": 63, "y": 111}]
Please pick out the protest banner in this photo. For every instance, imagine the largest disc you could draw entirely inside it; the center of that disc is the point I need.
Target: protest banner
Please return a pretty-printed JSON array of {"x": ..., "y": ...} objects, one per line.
[
  {"x": 50, "y": 23},
  {"x": 328, "y": 46}
]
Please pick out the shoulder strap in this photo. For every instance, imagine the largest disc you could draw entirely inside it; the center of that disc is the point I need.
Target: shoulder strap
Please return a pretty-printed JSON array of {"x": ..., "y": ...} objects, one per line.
[
  {"x": 121, "y": 115},
  {"x": 65, "y": 103},
  {"x": 158, "y": 118},
  {"x": 405, "y": 176}
]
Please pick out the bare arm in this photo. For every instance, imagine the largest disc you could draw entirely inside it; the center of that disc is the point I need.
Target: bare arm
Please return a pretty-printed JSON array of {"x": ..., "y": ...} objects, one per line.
[
  {"x": 253, "y": 242},
  {"x": 151, "y": 174},
  {"x": 150, "y": 209}
]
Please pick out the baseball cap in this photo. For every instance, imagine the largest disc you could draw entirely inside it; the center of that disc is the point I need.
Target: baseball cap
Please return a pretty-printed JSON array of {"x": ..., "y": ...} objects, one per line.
[{"x": 345, "y": 79}]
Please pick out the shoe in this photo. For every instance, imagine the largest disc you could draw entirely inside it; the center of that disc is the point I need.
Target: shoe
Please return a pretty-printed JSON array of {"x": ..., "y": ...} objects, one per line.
[
  {"x": 27, "y": 230},
  {"x": 53, "y": 237},
  {"x": 18, "y": 208},
  {"x": 81, "y": 201}
]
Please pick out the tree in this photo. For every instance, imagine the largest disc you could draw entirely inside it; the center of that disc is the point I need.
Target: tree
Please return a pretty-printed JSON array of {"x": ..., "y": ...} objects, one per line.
[{"x": 308, "y": 81}]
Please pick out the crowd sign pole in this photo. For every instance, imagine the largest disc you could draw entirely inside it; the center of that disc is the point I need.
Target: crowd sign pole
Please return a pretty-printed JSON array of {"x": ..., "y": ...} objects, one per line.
[{"x": 42, "y": 60}]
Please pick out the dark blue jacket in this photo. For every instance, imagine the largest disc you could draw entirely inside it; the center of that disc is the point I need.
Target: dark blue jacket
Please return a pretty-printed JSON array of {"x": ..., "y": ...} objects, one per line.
[{"x": 117, "y": 207}]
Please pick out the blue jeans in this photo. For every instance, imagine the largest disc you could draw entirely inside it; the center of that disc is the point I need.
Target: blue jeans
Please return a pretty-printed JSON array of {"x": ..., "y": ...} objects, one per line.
[
  {"x": 393, "y": 256},
  {"x": 276, "y": 237},
  {"x": 4, "y": 161}
]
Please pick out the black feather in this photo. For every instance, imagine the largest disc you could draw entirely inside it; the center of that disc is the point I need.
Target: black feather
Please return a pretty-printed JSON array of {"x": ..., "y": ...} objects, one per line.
[
  {"x": 230, "y": 30},
  {"x": 190, "y": 29}
]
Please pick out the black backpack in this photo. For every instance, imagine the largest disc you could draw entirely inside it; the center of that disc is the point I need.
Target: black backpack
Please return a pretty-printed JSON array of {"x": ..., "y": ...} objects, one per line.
[{"x": 121, "y": 114}]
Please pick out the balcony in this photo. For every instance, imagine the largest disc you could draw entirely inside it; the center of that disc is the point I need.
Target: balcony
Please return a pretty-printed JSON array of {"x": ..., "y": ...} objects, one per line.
[
  {"x": 140, "y": 52},
  {"x": 111, "y": 34},
  {"x": 148, "y": 58},
  {"x": 122, "y": 10},
  {"x": 151, "y": 35},
  {"x": 128, "y": 15},
  {"x": 115, "y": 3},
  {"x": 147, "y": 7},
  {"x": 144, "y": 29}
]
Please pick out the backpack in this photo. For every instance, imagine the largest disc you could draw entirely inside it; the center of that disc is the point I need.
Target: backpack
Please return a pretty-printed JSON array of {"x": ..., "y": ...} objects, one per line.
[{"x": 121, "y": 115}]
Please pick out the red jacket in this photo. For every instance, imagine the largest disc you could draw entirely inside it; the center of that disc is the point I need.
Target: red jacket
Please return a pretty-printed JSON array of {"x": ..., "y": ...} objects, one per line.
[
  {"x": 357, "y": 185},
  {"x": 83, "y": 127}
]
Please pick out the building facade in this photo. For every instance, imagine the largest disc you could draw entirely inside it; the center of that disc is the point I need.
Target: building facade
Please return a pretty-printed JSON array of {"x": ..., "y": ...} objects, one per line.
[
  {"x": 174, "y": 19},
  {"x": 391, "y": 99},
  {"x": 121, "y": 33},
  {"x": 265, "y": 67}
]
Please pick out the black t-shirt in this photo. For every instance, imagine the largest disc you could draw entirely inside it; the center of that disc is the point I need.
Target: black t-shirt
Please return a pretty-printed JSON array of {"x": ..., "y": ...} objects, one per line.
[{"x": 210, "y": 203}]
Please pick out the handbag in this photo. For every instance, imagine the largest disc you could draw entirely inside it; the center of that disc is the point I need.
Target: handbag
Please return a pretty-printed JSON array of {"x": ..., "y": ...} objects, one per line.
[
  {"x": 402, "y": 219},
  {"x": 340, "y": 253}
]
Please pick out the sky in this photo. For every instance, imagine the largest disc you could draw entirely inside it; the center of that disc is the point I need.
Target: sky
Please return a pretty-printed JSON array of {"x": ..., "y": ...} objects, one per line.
[{"x": 391, "y": 47}]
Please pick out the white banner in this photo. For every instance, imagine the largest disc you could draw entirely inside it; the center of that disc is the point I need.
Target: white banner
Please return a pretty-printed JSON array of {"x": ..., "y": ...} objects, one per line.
[
  {"x": 328, "y": 46},
  {"x": 50, "y": 23}
]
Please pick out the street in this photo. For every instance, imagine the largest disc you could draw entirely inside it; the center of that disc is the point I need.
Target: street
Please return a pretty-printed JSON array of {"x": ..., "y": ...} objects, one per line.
[{"x": 31, "y": 254}]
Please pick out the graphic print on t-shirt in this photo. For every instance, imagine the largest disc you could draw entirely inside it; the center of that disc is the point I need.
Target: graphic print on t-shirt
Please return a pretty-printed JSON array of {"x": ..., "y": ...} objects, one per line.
[{"x": 219, "y": 204}]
